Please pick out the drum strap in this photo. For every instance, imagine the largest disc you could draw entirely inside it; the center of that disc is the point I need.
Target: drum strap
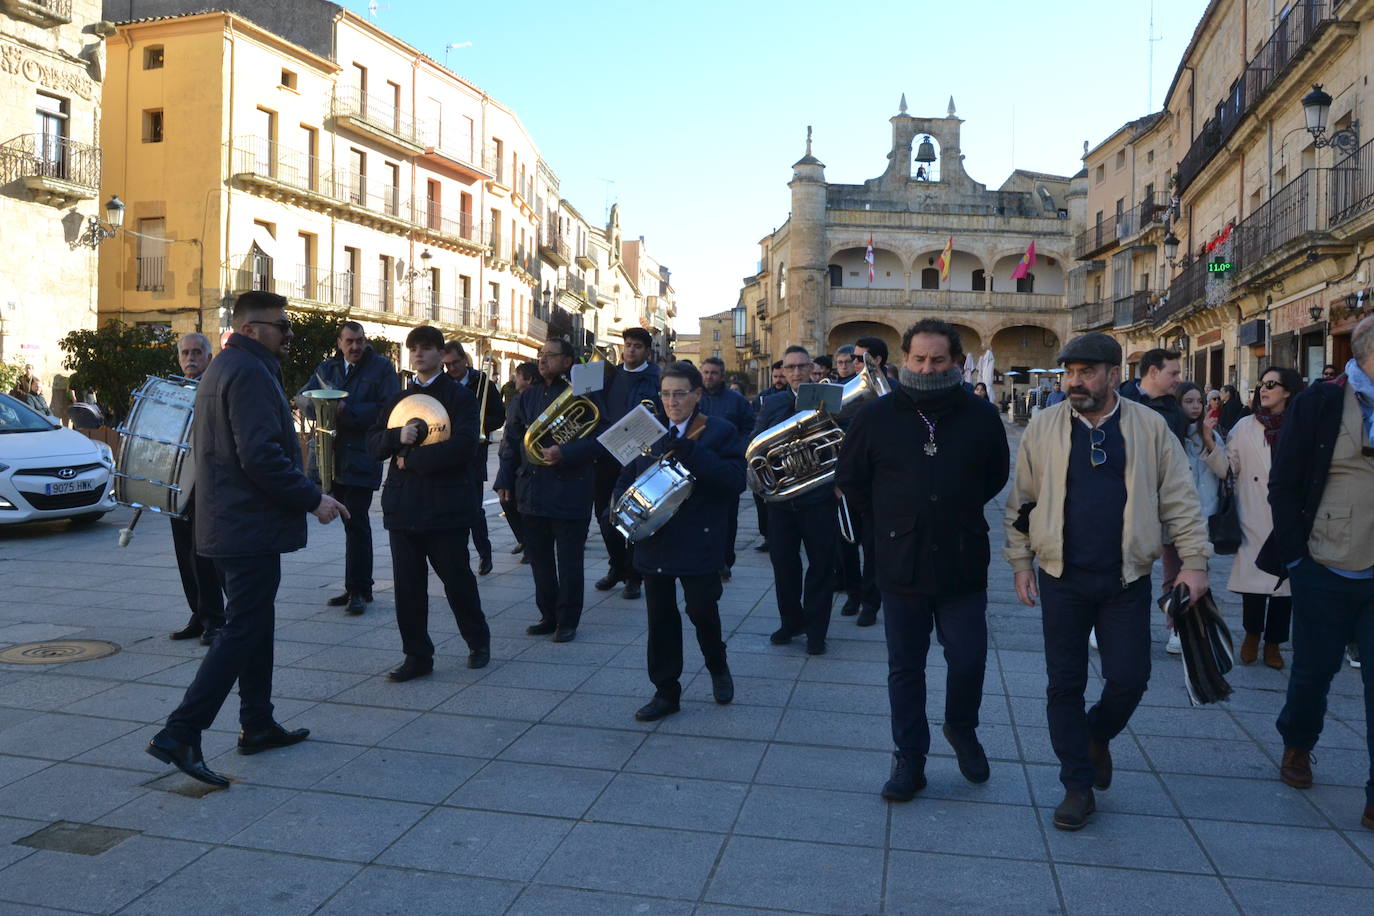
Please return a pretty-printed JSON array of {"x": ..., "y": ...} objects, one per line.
[{"x": 695, "y": 428}]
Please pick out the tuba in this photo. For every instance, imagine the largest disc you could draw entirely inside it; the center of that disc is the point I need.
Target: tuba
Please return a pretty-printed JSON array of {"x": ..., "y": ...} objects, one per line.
[
  {"x": 565, "y": 420},
  {"x": 799, "y": 454},
  {"x": 326, "y": 404}
]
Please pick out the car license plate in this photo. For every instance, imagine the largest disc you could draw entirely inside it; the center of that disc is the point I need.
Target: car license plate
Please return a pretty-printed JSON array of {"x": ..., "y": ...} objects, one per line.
[{"x": 69, "y": 486}]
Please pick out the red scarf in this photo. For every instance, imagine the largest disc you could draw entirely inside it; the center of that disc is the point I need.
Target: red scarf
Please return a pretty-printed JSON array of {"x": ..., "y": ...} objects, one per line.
[{"x": 1272, "y": 423}]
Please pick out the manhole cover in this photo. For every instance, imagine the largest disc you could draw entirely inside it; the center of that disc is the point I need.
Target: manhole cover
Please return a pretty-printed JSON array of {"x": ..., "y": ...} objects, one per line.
[
  {"x": 57, "y": 652},
  {"x": 82, "y": 839}
]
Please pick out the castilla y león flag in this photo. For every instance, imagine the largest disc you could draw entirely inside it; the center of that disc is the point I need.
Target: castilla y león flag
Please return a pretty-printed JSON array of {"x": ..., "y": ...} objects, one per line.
[
  {"x": 868, "y": 259},
  {"x": 1027, "y": 262},
  {"x": 946, "y": 257}
]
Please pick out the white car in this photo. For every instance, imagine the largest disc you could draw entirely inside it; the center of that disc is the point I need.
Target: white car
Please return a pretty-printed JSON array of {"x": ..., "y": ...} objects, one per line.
[{"x": 48, "y": 471}]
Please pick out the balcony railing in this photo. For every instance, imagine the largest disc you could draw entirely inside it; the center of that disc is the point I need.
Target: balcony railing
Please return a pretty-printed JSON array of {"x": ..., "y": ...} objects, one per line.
[
  {"x": 1187, "y": 288},
  {"x": 1132, "y": 309},
  {"x": 1302, "y": 206},
  {"x": 267, "y": 159},
  {"x": 494, "y": 161},
  {"x": 1089, "y": 315},
  {"x": 379, "y": 113},
  {"x": 151, "y": 273},
  {"x": 456, "y": 224},
  {"x": 51, "y": 158},
  {"x": 555, "y": 246},
  {"x": 1352, "y": 185},
  {"x": 301, "y": 282},
  {"x": 1096, "y": 238},
  {"x": 45, "y": 13}
]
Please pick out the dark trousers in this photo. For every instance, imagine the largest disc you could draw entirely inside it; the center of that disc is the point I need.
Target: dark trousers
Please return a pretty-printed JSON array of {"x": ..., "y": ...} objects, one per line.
[
  {"x": 242, "y": 652},
  {"x": 514, "y": 519},
  {"x": 761, "y": 508},
  {"x": 962, "y": 623},
  {"x": 199, "y": 578},
  {"x": 731, "y": 529},
  {"x": 700, "y": 594},
  {"x": 619, "y": 551},
  {"x": 447, "y": 552},
  {"x": 1329, "y": 611},
  {"x": 1271, "y": 615},
  {"x": 555, "y": 547},
  {"x": 357, "y": 536},
  {"x": 1071, "y": 607},
  {"x": 481, "y": 540},
  {"x": 804, "y": 606}
]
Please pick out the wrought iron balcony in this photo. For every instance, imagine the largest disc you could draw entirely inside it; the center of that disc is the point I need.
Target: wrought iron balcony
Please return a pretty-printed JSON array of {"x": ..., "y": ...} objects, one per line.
[
  {"x": 1132, "y": 309},
  {"x": 45, "y": 13},
  {"x": 1352, "y": 186},
  {"x": 55, "y": 170},
  {"x": 151, "y": 273},
  {"x": 1096, "y": 238},
  {"x": 380, "y": 119},
  {"x": 553, "y": 247},
  {"x": 1187, "y": 288},
  {"x": 1087, "y": 316}
]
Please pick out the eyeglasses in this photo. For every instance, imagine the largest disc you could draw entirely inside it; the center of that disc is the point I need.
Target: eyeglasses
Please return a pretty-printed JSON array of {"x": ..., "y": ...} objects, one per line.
[
  {"x": 547, "y": 355},
  {"x": 1269, "y": 385},
  {"x": 673, "y": 395},
  {"x": 1098, "y": 455},
  {"x": 284, "y": 326},
  {"x": 794, "y": 367}
]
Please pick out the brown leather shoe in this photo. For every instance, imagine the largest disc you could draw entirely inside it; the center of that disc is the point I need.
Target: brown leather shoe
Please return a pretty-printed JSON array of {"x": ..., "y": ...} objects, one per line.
[
  {"x": 1272, "y": 657},
  {"x": 1296, "y": 768},
  {"x": 1249, "y": 649},
  {"x": 1368, "y": 819},
  {"x": 1101, "y": 756}
]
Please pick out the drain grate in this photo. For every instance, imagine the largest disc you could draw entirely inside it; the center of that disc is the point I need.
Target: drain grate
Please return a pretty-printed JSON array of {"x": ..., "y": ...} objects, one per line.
[
  {"x": 57, "y": 652},
  {"x": 81, "y": 839}
]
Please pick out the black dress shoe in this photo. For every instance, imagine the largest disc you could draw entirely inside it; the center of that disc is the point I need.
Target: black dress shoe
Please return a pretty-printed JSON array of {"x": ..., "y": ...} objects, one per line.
[
  {"x": 542, "y": 628},
  {"x": 782, "y": 636},
  {"x": 356, "y": 604},
  {"x": 185, "y": 757},
  {"x": 656, "y": 709},
  {"x": 273, "y": 736},
  {"x": 524, "y": 559},
  {"x": 973, "y": 760},
  {"x": 190, "y": 631},
  {"x": 410, "y": 669},
  {"x": 479, "y": 658},
  {"x": 341, "y": 599},
  {"x": 208, "y": 637},
  {"x": 722, "y": 686},
  {"x": 608, "y": 582},
  {"x": 565, "y": 634},
  {"x": 762, "y": 548},
  {"x": 851, "y": 606},
  {"x": 725, "y": 574},
  {"x": 867, "y": 617},
  {"x": 484, "y": 566},
  {"x": 815, "y": 645},
  {"x": 632, "y": 590},
  {"x": 518, "y": 548},
  {"x": 908, "y": 777},
  {"x": 1101, "y": 756},
  {"x": 1074, "y": 810}
]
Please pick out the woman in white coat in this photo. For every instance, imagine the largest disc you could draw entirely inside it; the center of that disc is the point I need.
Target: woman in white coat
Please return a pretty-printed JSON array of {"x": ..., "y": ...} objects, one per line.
[{"x": 1268, "y": 611}]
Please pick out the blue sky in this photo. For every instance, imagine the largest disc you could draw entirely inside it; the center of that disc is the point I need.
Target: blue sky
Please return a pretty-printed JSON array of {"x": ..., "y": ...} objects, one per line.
[{"x": 697, "y": 110}]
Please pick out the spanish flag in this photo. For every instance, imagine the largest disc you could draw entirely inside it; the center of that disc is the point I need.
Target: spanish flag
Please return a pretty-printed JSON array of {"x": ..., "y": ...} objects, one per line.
[{"x": 946, "y": 257}]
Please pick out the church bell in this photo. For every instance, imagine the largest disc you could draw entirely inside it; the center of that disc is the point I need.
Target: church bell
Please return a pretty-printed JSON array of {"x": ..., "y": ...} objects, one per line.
[{"x": 926, "y": 151}]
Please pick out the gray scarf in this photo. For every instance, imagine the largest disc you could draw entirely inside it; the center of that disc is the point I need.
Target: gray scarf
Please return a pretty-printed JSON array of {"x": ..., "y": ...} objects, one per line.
[{"x": 922, "y": 386}]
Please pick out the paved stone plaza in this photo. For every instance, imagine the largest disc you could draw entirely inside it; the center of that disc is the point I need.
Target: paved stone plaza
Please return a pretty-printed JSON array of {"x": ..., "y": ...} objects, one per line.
[{"x": 528, "y": 787}]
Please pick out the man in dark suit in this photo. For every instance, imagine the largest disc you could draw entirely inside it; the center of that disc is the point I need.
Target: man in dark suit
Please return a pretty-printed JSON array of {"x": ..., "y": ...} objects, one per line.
[
  {"x": 633, "y": 382},
  {"x": 251, "y": 499},
  {"x": 717, "y": 400},
  {"x": 760, "y": 507},
  {"x": 491, "y": 415},
  {"x": 807, "y": 521},
  {"x": 199, "y": 581},
  {"x": 427, "y": 505},
  {"x": 688, "y": 547},
  {"x": 525, "y": 375},
  {"x": 555, "y": 497},
  {"x": 369, "y": 380},
  {"x": 921, "y": 463}
]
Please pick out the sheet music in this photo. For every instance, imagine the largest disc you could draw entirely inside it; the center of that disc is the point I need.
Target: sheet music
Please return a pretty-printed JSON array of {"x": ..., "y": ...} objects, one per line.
[
  {"x": 629, "y": 436},
  {"x": 813, "y": 394},
  {"x": 587, "y": 377}
]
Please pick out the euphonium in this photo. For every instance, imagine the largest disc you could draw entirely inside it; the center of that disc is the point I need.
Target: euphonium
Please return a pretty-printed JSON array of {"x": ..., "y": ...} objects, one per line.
[
  {"x": 326, "y": 403},
  {"x": 799, "y": 454},
  {"x": 568, "y": 418}
]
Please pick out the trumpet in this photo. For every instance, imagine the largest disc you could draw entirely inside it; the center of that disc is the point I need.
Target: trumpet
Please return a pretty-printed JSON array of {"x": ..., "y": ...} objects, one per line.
[{"x": 567, "y": 419}]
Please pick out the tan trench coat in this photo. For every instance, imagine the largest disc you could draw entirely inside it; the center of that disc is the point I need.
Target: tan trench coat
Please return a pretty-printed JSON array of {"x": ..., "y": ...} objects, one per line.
[{"x": 1250, "y": 462}]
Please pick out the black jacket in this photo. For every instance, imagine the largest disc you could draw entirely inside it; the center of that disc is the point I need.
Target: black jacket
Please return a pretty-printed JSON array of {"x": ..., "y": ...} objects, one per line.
[
  {"x": 433, "y": 491},
  {"x": 731, "y": 406},
  {"x": 692, "y": 543},
  {"x": 493, "y": 419},
  {"x": 563, "y": 491},
  {"x": 625, "y": 390},
  {"x": 931, "y": 537},
  {"x": 251, "y": 493},
  {"x": 777, "y": 407},
  {"x": 1166, "y": 406},
  {"x": 1297, "y": 476},
  {"x": 371, "y": 382}
]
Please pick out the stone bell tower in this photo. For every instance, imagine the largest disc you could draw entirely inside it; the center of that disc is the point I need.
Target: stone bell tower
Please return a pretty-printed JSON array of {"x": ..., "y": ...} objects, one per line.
[
  {"x": 806, "y": 287},
  {"x": 907, "y": 133}
]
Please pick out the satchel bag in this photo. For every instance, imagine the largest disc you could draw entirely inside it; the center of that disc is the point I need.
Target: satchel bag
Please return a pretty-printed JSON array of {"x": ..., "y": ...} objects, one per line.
[{"x": 1223, "y": 527}]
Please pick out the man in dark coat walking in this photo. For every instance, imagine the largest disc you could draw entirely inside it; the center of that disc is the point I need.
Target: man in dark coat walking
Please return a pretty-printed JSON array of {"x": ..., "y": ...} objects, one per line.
[
  {"x": 921, "y": 462},
  {"x": 427, "y": 505},
  {"x": 491, "y": 417},
  {"x": 369, "y": 380},
  {"x": 251, "y": 499},
  {"x": 719, "y": 400}
]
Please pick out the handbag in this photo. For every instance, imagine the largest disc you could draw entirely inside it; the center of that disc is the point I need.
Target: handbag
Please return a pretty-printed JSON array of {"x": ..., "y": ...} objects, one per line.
[
  {"x": 1223, "y": 527},
  {"x": 1206, "y": 644}
]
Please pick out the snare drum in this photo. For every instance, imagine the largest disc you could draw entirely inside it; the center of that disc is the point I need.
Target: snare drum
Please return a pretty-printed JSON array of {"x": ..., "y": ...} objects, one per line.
[
  {"x": 654, "y": 497},
  {"x": 154, "y": 470}
]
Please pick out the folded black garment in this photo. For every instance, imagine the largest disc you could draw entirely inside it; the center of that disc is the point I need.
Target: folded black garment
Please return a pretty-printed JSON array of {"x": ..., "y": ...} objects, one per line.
[
  {"x": 1208, "y": 654},
  {"x": 1022, "y": 523}
]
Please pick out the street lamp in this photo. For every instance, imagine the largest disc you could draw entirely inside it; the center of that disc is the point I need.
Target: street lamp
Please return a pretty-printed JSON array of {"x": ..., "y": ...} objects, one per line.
[
  {"x": 1316, "y": 312},
  {"x": 1316, "y": 105},
  {"x": 1181, "y": 343},
  {"x": 98, "y": 230},
  {"x": 1171, "y": 248}
]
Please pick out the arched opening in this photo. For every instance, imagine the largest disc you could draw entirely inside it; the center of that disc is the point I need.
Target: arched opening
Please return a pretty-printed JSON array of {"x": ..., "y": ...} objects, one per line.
[
  {"x": 970, "y": 340},
  {"x": 852, "y": 269},
  {"x": 1023, "y": 348},
  {"x": 926, "y": 171},
  {"x": 1048, "y": 275},
  {"x": 849, "y": 331},
  {"x": 962, "y": 268}
]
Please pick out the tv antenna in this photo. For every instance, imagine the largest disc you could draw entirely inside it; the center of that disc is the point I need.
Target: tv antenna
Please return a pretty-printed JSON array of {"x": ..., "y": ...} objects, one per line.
[
  {"x": 453, "y": 46},
  {"x": 1150, "y": 41},
  {"x": 606, "y": 214}
]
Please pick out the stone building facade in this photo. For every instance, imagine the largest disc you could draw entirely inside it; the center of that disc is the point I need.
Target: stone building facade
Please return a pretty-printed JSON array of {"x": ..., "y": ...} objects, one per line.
[
  {"x": 51, "y": 69},
  {"x": 813, "y": 284}
]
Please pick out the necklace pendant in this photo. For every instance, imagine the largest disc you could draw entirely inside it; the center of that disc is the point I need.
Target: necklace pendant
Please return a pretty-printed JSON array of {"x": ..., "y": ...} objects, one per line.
[{"x": 931, "y": 448}]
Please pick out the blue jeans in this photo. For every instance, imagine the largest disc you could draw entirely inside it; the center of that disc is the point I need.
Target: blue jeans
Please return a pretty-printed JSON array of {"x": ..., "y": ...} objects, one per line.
[{"x": 1329, "y": 611}]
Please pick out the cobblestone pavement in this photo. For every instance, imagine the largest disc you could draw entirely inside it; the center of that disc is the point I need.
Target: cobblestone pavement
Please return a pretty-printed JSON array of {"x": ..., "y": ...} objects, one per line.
[{"x": 528, "y": 787}]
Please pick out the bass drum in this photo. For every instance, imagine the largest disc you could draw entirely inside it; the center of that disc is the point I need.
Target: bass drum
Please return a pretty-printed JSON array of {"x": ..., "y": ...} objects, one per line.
[
  {"x": 654, "y": 497},
  {"x": 154, "y": 470}
]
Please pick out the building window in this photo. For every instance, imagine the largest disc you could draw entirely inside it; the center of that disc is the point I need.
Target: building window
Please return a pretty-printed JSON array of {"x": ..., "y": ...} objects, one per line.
[
  {"x": 393, "y": 188},
  {"x": 307, "y": 280},
  {"x": 836, "y": 275},
  {"x": 152, "y": 253},
  {"x": 260, "y": 269},
  {"x": 384, "y": 263},
  {"x": 716, "y": 353},
  {"x": 288, "y": 80},
  {"x": 434, "y": 292},
  {"x": 496, "y": 233},
  {"x": 1101, "y": 174},
  {"x": 357, "y": 179},
  {"x": 51, "y": 147},
  {"x": 152, "y": 57},
  {"x": 152, "y": 125},
  {"x": 1026, "y": 284},
  {"x": 715, "y": 335},
  {"x": 930, "y": 278},
  {"x": 1121, "y": 159},
  {"x": 310, "y": 141},
  {"x": 979, "y": 281},
  {"x": 353, "y": 261},
  {"x": 1150, "y": 157}
]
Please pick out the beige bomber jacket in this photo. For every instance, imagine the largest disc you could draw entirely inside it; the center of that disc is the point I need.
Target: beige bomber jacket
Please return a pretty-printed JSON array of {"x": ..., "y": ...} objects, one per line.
[{"x": 1159, "y": 490}]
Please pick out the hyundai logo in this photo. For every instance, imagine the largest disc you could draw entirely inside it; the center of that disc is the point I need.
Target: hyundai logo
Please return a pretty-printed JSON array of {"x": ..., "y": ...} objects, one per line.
[{"x": 67, "y": 473}]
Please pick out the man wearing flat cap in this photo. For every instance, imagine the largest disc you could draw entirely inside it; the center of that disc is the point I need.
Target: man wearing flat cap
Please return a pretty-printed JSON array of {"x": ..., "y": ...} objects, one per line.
[{"x": 1098, "y": 480}]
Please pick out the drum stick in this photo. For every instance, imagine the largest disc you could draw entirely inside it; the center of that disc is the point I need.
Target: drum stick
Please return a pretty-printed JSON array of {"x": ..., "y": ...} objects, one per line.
[{"x": 127, "y": 534}]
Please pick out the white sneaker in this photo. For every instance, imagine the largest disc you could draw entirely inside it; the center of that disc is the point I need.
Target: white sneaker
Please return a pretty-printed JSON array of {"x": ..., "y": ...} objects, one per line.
[
  {"x": 1175, "y": 646},
  {"x": 1352, "y": 655},
  {"x": 1092, "y": 637}
]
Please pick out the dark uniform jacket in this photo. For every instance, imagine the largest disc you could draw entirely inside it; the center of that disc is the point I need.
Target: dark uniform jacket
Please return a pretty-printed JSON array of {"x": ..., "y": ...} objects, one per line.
[
  {"x": 564, "y": 491},
  {"x": 251, "y": 492},
  {"x": 1166, "y": 406},
  {"x": 778, "y": 407},
  {"x": 433, "y": 491},
  {"x": 625, "y": 390},
  {"x": 731, "y": 406},
  {"x": 931, "y": 537},
  {"x": 692, "y": 543},
  {"x": 371, "y": 382}
]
